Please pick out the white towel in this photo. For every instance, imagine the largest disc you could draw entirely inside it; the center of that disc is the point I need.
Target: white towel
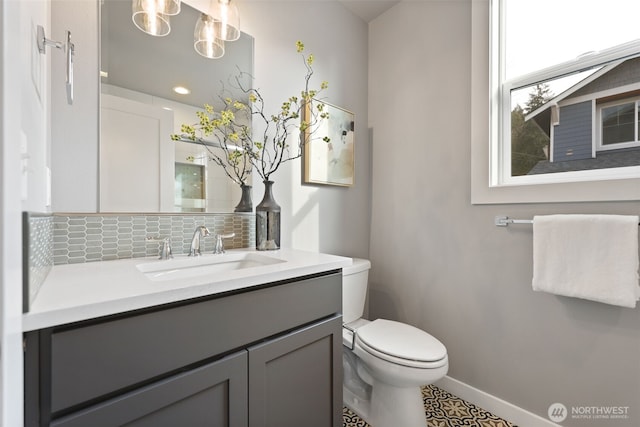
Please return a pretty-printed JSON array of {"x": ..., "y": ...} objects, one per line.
[{"x": 594, "y": 257}]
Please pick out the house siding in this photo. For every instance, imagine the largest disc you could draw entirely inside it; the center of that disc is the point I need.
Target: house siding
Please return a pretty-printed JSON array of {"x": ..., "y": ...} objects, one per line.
[
  {"x": 624, "y": 74},
  {"x": 573, "y": 135}
]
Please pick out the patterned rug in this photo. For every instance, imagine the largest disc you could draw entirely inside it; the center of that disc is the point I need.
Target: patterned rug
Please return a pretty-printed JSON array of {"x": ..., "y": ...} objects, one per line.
[{"x": 442, "y": 409}]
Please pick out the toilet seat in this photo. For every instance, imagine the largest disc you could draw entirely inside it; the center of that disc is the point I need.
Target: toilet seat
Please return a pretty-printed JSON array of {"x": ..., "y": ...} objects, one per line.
[{"x": 401, "y": 344}]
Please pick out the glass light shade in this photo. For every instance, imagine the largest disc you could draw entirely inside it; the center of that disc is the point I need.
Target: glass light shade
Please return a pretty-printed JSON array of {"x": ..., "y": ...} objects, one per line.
[
  {"x": 227, "y": 17},
  {"x": 148, "y": 17},
  {"x": 170, "y": 7},
  {"x": 205, "y": 39}
]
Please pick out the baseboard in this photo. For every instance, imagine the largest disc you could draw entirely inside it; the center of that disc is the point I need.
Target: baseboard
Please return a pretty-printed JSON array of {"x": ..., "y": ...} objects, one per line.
[{"x": 495, "y": 405}]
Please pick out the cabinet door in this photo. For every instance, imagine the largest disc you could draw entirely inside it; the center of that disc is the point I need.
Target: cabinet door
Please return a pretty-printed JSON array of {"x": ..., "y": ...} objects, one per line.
[
  {"x": 213, "y": 395},
  {"x": 296, "y": 380}
]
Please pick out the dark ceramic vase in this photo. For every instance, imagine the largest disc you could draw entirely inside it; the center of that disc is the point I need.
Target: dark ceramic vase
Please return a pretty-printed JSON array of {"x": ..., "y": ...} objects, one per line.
[
  {"x": 246, "y": 204},
  {"x": 268, "y": 221}
]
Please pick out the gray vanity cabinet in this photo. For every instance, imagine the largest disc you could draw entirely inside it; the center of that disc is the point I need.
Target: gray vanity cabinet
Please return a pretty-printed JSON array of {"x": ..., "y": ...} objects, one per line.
[{"x": 268, "y": 356}]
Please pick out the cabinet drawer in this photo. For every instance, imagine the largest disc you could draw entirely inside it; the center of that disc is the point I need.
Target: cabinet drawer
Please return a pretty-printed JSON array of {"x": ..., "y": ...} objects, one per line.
[{"x": 89, "y": 362}]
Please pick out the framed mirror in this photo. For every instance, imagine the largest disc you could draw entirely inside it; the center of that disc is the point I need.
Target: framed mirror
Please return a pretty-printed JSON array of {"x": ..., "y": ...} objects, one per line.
[{"x": 142, "y": 104}]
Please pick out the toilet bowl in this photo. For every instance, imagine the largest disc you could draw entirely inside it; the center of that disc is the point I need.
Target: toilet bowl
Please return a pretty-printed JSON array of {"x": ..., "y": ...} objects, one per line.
[{"x": 385, "y": 362}]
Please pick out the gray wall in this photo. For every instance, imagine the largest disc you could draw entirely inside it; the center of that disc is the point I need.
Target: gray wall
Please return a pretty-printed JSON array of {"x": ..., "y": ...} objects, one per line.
[{"x": 439, "y": 262}]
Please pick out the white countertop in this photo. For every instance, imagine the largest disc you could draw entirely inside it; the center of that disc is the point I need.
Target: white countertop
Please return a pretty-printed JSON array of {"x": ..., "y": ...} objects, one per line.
[{"x": 76, "y": 292}]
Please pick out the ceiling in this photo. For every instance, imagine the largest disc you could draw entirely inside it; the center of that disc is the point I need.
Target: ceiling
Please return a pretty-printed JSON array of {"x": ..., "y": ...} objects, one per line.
[{"x": 368, "y": 10}]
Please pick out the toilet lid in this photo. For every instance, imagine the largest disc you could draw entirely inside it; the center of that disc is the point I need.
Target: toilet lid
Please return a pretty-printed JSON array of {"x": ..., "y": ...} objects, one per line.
[{"x": 401, "y": 340}]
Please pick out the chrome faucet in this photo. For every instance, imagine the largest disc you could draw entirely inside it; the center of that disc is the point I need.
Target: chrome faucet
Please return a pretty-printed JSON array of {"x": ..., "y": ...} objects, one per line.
[
  {"x": 165, "y": 252},
  {"x": 201, "y": 231},
  {"x": 219, "y": 247}
]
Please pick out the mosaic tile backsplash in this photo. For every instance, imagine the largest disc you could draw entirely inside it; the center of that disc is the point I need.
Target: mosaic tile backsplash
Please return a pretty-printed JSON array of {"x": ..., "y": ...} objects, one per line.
[
  {"x": 78, "y": 238},
  {"x": 37, "y": 233},
  {"x": 51, "y": 239}
]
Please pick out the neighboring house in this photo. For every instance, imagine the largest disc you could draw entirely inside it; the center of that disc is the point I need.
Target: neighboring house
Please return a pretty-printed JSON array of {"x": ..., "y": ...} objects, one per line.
[{"x": 595, "y": 123}]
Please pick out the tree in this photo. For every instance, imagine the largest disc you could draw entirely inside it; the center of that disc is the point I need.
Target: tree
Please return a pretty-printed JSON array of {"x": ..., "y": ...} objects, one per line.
[
  {"x": 241, "y": 152},
  {"x": 539, "y": 96},
  {"x": 528, "y": 141}
]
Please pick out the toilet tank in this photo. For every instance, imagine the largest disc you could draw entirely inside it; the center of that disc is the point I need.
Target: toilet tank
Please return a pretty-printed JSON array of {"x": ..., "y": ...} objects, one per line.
[{"x": 354, "y": 289}]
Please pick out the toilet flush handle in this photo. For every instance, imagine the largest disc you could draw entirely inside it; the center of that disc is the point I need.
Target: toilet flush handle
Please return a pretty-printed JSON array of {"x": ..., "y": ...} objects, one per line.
[{"x": 352, "y": 337}]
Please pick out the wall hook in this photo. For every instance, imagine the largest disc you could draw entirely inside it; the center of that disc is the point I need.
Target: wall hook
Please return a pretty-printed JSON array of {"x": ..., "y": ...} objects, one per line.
[{"x": 43, "y": 41}]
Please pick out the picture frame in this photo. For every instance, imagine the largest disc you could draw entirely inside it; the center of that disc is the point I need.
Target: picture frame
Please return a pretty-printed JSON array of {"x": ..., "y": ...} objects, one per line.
[{"x": 329, "y": 161}]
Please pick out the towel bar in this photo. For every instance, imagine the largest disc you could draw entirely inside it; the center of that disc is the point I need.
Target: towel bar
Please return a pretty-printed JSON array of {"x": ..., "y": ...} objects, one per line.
[{"x": 503, "y": 221}]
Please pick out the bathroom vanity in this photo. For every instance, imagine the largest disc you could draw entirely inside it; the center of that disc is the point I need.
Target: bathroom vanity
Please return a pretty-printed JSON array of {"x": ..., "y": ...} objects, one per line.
[{"x": 254, "y": 347}]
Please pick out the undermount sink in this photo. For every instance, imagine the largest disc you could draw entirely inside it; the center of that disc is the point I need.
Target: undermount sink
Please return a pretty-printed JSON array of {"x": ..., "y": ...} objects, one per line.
[{"x": 184, "y": 267}]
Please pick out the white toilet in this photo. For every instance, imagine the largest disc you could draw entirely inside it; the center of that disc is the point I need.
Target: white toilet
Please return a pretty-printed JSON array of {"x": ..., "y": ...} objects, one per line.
[{"x": 385, "y": 362}]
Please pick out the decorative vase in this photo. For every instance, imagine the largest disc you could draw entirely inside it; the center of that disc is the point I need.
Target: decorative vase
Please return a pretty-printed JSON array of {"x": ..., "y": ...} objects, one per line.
[
  {"x": 268, "y": 221},
  {"x": 246, "y": 204}
]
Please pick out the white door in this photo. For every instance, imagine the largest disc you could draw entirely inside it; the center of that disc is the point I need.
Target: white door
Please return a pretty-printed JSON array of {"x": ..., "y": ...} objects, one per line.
[{"x": 136, "y": 157}]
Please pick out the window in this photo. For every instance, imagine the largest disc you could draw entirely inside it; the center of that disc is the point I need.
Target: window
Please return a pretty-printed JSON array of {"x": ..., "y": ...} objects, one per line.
[
  {"x": 619, "y": 125},
  {"x": 560, "y": 91}
]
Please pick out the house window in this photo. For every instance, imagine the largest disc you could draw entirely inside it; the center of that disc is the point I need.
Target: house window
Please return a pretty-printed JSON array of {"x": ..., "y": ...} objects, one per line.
[
  {"x": 538, "y": 75},
  {"x": 619, "y": 125}
]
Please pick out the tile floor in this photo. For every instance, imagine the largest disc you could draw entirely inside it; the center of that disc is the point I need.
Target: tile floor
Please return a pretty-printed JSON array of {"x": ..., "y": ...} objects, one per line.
[{"x": 442, "y": 409}]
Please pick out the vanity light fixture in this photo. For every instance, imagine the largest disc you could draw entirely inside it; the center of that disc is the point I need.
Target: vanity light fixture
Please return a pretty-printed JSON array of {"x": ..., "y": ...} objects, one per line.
[
  {"x": 181, "y": 90},
  {"x": 227, "y": 17},
  {"x": 205, "y": 38},
  {"x": 220, "y": 24},
  {"x": 170, "y": 7},
  {"x": 152, "y": 16}
]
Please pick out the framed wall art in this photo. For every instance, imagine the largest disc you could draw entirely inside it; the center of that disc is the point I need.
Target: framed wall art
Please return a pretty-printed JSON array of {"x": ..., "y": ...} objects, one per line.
[{"x": 331, "y": 161}]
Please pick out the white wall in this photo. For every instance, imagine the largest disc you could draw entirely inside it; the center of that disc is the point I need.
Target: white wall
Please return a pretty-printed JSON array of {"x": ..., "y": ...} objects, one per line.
[
  {"x": 23, "y": 124},
  {"x": 326, "y": 219},
  {"x": 34, "y": 93},
  {"x": 439, "y": 262}
]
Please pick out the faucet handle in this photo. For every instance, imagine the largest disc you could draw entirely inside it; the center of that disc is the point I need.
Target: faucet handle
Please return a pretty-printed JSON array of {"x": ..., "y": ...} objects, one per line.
[
  {"x": 165, "y": 252},
  {"x": 203, "y": 230},
  {"x": 219, "y": 248}
]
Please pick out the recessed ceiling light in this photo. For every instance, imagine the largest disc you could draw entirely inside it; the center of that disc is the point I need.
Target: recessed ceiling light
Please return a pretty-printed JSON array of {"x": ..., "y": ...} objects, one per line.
[{"x": 181, "y": 90}]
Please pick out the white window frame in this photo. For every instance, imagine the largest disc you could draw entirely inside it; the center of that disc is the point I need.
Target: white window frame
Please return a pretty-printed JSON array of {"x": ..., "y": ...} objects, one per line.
[
  {"x": 617, "y": 146},
  {"x": 500, "y": 107}
]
